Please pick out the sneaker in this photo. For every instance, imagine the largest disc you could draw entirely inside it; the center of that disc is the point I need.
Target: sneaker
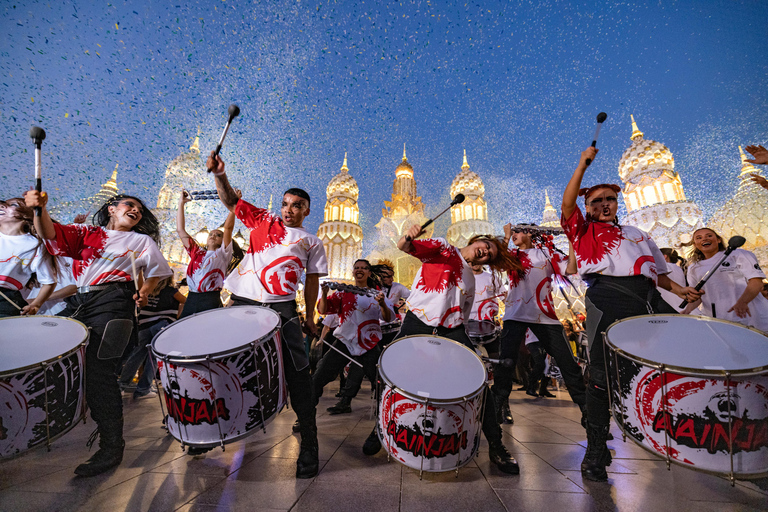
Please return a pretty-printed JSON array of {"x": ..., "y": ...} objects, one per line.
[{"x": 503, "y": 460}]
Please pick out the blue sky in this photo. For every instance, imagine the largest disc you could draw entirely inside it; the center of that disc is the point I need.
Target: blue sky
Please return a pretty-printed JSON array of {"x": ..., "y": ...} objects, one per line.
[{"x": 516, "y": 84}]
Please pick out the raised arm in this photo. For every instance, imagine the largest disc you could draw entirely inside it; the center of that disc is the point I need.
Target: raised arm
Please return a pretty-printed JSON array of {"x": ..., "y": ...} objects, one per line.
[
  {"x": 229, "y": 223},
  {"x": 227, "y": 194},
  {"x": 572, "y": 266},
  {"x": 181, "y": 228},
  {"x": 404, "y": 244},
  {"x": 43, "y": 222},
  {"x": 386, "y": 313},
  {"x": 322, "y": 304},
  {"x": 571, "y": 193}
]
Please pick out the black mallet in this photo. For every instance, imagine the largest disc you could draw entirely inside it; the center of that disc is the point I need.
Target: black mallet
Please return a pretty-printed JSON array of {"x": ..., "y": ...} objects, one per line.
[
  {"x": 233, "y": 111},
  {"x": 601, "y": 117},
  {"x": 38, "y": 136},
  {"x": 456, "y": 200},
  {"x": 734, "y": 243}
]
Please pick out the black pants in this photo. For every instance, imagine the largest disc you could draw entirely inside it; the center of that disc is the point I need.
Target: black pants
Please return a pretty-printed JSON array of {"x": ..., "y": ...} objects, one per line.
[
  {"x": 95, "y": 310},
  {"x": 7, "y": 309},
  {"x": 605, "y": 305},
  {"x": 199, "y": 302},
  {"x": 413, "y": 326},
  {"x": 356, "y": 374},
  {"x": 295, "y": 358},
  {"x": 553, "y": 340},
  {"x": 333, "y": 362}
]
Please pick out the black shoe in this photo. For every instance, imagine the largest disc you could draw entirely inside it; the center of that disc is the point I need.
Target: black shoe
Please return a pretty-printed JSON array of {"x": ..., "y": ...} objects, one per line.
[
  {"x": 296, "y": 428},
  {"x": 111, "y": 446},
  {"x": 372, "y": 445},
  {"x": 503, "y": 460},
  {"x": 546, "y": 394},
  {"x": 308, "y": 463},
  {"x": 343, "y": 406},
  {"x": 194, "y": 451},
  {"x": 506, "y": 414},
  {"x": 598, "y": 456},
  {"x": 532, "y": 392},
  {"x": 609, "y": 437}
]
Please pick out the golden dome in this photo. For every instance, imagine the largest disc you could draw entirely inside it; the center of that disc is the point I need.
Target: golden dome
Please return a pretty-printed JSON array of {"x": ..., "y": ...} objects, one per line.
[
  {"x": 644, "y": 157},
  {"x": 343, "y": 184},
  {"x": 746, "y": 213},
  {"x": 467, "y": 182}
]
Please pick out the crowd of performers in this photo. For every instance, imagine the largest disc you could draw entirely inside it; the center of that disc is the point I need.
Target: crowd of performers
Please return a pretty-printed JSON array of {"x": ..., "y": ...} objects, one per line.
[{"x": 84, "y": 271}]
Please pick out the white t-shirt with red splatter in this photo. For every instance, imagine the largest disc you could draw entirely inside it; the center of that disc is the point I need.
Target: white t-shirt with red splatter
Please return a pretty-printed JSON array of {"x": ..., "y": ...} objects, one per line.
[
  {"x": 444, "y": 287},
  {"x": 207, "y": 269},
  {"x": 488, "y": 291},
  {"x": 20, "y": 257},
  {"x": 102, "y": 256},
  {"x": 277, "y": 256},
  {"x": 529, "y": 298},
  {"x": 359, "y": 317},
  {"x": 396, "y": 292},
  {"x": 619, "y": 251},
  {"x": 727, "y": 284},
  {"x": 53, "y": 306}
]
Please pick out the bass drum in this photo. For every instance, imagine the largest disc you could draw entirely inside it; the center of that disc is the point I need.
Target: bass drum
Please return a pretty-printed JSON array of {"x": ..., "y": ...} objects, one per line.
[
  {"x": 42, "y": 384},
  {"x": 222, "y": 374},
  {"x": 431, "y": 401},
  {"x": 693, "y": 390}
]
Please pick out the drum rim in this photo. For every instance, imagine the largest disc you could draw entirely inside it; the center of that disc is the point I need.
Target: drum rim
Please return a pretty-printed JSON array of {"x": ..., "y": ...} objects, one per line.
[
  {"x": 684, "y": 370},
  {"x": 422, "y": 399},
  {"x": 47, "y": 362},
  {"x": 215, "y": 355}
]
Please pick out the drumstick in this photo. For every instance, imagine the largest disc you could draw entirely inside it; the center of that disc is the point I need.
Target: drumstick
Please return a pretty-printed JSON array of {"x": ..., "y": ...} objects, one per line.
[
  {"x": 508, "y": 363},
  {"x": 135, "y": 279},
  {"x": 342, "y": 353},
  {"x": 9, "y": 300},
  {"x": 233, "y": 112},
  {"x": 456, "y": 200},
  {"x": 734, "y": 243},
  {"x": 601, "y": 117},
  {"x": 38, "y": 136}
]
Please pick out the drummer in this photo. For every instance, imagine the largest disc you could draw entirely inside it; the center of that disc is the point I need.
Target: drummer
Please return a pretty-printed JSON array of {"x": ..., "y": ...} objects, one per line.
[
  {"x": 621, "y": 265},
  {"x": 439, "y": 304},
  {"x": 733, "y": 291},
  {"x": 396, "y": 293},
  {"x": 106, "y": 291},
  {"x": 208, "y": 266},
  {"x": 529, "y": 305},
  {"x": 21, "y": 255},
  {"x": 358, "y": 334},
  {"x": 280, "y": 251}
]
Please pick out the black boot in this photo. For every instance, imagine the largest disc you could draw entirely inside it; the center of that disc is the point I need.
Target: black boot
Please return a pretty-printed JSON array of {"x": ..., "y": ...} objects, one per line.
[
  {"x": 372, "y": 445},
  {"x": 308, "y": 463},
  {"x": 111, "y": 445},
  {"x": 506, "y": 414},
  {"x": 501, "y": 408},
  {"x": 531, "y": 391},
  {"x": 543, "y": 391},
  {"x": 343, "y": 406},
  {"x": 501, "y": 457},
  {"x": 598, "y": 456}
]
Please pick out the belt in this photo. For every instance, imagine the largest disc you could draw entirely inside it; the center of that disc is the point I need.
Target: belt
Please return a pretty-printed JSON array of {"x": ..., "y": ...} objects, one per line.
[{"x": 99, "y": 287}]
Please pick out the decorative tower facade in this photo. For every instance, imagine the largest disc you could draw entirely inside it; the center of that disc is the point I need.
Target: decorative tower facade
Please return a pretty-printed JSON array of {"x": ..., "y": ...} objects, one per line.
[
  {"x": 653, "y": 192},
  {"x": 400, "y": 213},
  {"x": 65, "y": 211},
  {"x": 550, "y": 218},
  {"x": 746, "y": 213},
  {"x": 470, "y": 217},
  {"x": 340, "y": 231}
]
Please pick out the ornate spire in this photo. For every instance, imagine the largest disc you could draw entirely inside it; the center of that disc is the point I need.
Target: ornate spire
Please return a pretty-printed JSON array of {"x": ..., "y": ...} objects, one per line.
[
  {"x": 465, "y": 165},
  {"x": 113, "y": 179},
  {"x": 747, "y": 169},
  {"x": 635, "y": 130},
  {"x": 404, "y": 157},
  {"x": 548, "y": 205},
  {"x": 269, "y": 206},
  {"x": 195, "y": 147},
  {"x": 344, "y": 167}
]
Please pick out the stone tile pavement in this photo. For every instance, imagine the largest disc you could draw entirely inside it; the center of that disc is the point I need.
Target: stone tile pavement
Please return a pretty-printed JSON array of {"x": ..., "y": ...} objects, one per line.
[{"x": 258, "y": 473}]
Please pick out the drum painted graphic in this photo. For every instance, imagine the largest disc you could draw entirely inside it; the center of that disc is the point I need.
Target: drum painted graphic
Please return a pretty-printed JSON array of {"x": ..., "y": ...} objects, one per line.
[
  {"x": 430, "y": 410},
  {"x": 41, "y": 380},
  {"x": 230, "y": 392},
  {"x": 707, "y": 404}
]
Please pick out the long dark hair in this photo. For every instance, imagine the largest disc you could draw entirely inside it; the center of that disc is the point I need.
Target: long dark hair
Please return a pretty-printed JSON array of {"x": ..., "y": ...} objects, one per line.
[
  {"x": 504, "y": 261},
  {"x": 26, "y": 214},
  {"x": 148, "y": 225},
  {"x": 374, "y": 280},
  {"x": 237, "y": 257}
]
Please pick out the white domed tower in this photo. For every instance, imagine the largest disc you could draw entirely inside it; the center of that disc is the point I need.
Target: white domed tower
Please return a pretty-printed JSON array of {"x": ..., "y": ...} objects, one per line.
[
  {"x": 340, "y": 231},
  {"x": 653, "y": 192},
  {"x": 746, "y": 213},
  {"x": 550, "y": 218},
  {"x": 469, "y": 218}
]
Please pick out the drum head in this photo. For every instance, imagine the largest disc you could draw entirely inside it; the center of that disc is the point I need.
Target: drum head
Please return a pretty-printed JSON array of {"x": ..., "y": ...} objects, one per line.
[
  {"x": 218, "y": 331},
  {"x": 432, "y": 367},
  {"x": 30, "y": 340},
  {"x": 690, "y": 342}
]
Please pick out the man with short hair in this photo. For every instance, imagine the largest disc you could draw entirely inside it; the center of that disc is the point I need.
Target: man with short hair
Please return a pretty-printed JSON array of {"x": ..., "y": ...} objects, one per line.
[{"x": 280, "y": 251}]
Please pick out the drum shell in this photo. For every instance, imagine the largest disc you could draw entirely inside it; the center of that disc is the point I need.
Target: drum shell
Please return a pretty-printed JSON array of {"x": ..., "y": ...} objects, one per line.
[
  {"x": 57, "y": 384},
  {"x": 482, "y": 332},
  {"x": 391, "y": 327},
  {"x": 688, "y": 408},
  {"x": 432, "y": 435},
  {"x": 218, "y": 399}
]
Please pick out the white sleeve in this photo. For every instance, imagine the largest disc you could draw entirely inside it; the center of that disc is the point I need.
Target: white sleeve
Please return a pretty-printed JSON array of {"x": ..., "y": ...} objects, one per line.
[
  {"x": 42, "y": 266},
  {"x": 316, "y": 261},
  {"x": 658, "y": 257},
  {"x": 153, "y": 262},
  {"x": 747, "y": 263},
  {"x": 403, "y": 291},
  {"x": 226, "y": 252}
]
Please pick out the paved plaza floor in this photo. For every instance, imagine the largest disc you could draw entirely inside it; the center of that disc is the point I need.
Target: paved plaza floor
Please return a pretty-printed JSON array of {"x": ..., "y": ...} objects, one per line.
[{"x": 258, "y": 473}]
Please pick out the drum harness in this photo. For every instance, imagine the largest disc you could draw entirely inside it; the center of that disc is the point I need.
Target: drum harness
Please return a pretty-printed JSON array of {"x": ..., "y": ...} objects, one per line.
[{"x": 630, "y": 293}]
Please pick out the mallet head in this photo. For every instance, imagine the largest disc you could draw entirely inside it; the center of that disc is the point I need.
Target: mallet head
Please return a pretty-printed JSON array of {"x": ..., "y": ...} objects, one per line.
[
  {"x": 37, "y": 133},
  {"x": 458, "y": 199},
  {"x": 601, "y": 117},
  {"x": 234, "y": 111},
  {"x": 736, "y": 241}
]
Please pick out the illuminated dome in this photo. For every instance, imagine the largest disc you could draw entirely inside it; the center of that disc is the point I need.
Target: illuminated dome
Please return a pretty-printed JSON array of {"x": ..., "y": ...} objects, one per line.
[
  {"x": 550, "y": 218},
  {"x": 405, "y": 169},
  {"x": 470, "y": 217},
  {"x": 746, "y": 213},
  {"x": 343, "y": 184},
  {"x": 653, "y": 192}
]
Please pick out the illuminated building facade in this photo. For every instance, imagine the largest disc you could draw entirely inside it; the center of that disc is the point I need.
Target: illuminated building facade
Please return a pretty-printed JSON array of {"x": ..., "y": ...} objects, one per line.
[{"x": 470, "y": 217}]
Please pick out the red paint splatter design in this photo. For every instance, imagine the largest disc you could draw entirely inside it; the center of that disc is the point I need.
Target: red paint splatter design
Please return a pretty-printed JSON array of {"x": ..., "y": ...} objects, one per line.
[
  {"x": 267, "y": 230},
  {"x": 196, "y": 257},
  {"x": 442, "y": 267},
  {"x": 342, "y": 304},
  {"x": 591, "y": 240},
  {"x": 84, "y": 244},
  {"x": 518, "y": 275}
]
